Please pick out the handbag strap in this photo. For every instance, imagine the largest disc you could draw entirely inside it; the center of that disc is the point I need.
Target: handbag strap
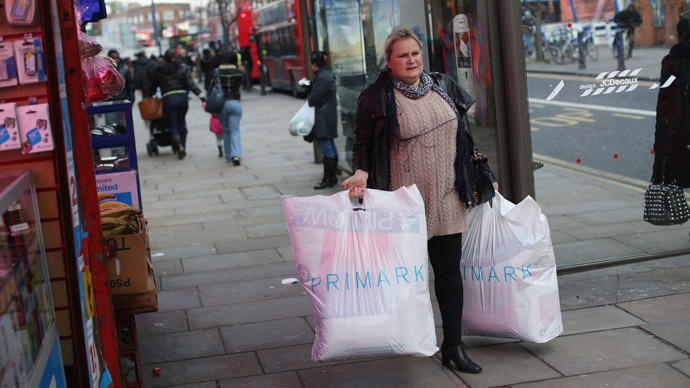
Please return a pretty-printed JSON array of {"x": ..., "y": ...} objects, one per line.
[{"x": 666, "y": 172}]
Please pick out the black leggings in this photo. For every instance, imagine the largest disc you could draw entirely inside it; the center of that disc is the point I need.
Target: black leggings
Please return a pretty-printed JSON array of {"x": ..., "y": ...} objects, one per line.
[{"x": 444, "y": 255}]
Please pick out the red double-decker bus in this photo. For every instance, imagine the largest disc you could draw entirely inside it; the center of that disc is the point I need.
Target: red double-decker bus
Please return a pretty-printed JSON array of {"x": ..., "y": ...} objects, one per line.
[
  {"x": 280, "y": 41},
  {"x": 245, "y": 35}
]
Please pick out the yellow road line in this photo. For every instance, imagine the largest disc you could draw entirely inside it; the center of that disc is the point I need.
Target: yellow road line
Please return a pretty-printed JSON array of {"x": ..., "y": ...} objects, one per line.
[
  {"x": 537, "y": 105},
  {"x": 628, "y": 116}
]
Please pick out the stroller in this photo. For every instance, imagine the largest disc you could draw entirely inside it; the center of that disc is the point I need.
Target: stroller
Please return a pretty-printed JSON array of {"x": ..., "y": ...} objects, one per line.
[{"x": 159, "y": 135}]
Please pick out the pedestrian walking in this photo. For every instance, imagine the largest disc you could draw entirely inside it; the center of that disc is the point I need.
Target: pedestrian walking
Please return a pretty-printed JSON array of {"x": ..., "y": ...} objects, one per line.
[
  {"x": 127, "y": 93},
  {"x": 209, "y": 62},
  {"x": 672, "y": 134},
  {"x": 627, "y": 20},
  {"x": 322, "y": 96},
  {"x": 412, "y": 128},
  {"x": 143, "y": 68},
  {"x": 231, "y": 80},
  {"x": 175, "y": 81}
]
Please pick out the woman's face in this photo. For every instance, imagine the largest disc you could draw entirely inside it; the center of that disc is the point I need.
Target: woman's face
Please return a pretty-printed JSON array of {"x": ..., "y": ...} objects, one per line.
[{"x": 406, "y": 62}]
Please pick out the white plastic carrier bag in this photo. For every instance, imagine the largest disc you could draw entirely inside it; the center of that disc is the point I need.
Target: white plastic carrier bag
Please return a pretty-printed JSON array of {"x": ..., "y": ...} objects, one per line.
[
  {"x": 509, "y": 273},
  {"x": 303, "y": 121},
  {"x": 365, "y": 269}
]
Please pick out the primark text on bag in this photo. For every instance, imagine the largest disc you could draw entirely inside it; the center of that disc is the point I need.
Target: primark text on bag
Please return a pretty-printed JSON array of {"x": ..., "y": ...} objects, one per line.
[
  {"x": 508, "y": 271},
  {"x": 366, "y": 272}
]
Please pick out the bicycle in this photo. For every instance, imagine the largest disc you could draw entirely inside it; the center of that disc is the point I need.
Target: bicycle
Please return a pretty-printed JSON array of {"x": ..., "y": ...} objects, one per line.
[{"x": 591, "y": 49}]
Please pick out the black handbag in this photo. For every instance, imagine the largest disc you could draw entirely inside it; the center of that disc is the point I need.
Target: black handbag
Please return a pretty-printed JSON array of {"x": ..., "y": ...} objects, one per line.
[
  {"x": 482, "y": 186},
  {"x": 215, "y": 98},
  {"x": 664, "y": 200}
]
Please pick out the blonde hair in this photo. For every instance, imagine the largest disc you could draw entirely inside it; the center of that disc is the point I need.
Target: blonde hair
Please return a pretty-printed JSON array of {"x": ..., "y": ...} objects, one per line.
[{"x": 395, "y": 36}]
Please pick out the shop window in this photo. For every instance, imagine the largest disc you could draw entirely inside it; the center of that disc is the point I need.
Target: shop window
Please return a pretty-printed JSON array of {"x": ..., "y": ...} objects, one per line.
[{"x": 658, "y": 9}]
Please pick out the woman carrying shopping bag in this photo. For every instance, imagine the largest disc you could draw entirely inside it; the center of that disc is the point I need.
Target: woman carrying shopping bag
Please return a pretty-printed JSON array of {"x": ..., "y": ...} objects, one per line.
[
  {"x": 410, "y": 123},
  {"x": 322, "y": 97},
  {"x": 231, "y": 79}
]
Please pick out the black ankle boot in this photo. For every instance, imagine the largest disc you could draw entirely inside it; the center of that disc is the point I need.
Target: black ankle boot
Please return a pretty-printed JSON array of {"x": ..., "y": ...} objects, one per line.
[
  {"x": 329, "y": 179},
  {"x": 220, "y": 151},
  {"x": 457, "y": 354}
]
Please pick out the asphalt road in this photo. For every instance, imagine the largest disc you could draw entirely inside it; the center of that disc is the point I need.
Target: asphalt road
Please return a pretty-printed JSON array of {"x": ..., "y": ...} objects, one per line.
[{"x": 606, "y": 133}]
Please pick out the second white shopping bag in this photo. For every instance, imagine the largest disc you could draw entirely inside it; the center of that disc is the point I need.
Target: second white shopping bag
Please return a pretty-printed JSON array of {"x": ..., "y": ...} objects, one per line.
[{"x": 365, "y": 268}]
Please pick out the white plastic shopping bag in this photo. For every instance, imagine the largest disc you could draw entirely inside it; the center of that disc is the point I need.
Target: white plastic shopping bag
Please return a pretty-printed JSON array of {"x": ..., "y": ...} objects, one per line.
[
  {"x": 509, "y": 273},
  {"x": 366, "y": 271},
  {"x": 303, "y": 121}
]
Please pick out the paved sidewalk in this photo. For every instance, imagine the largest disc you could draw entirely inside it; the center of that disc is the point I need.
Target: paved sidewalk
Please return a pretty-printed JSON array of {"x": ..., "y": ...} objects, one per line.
[
  {"x": 220, "y": 250},
  {"x": 646, "y": 58}
]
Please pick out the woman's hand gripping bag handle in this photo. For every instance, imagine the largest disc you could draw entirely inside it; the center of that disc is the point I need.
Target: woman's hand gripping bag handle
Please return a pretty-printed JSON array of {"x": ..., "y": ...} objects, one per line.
[
  {"x": 365, "y": 268},
  {"x": 509, "y": 273}
]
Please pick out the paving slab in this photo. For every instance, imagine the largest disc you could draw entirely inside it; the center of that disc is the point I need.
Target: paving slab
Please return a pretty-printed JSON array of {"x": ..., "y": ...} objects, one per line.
[
  {"x": 161, "y": 323},
  {"x": 206, "y": 384},
  {"x": 249, "y": 312},
  {"x": 276, "y": 380},
  {"x": 563, "y": 222},
  {"x": 221, "y": 193},
  {"x": 201, "y": 370},
  {"x": 683, "y": 366},
  {"x": 505, "y": 364},
  {"x": 223, "y": 219},
  {"x": 252, "y": 244},
  {"x": 202, "y": 237},
  {"x": 265, "y": 230},
  {"x": 283, "y": 270},
  {"x": 265, "y": 335},
  {"x": 157, "y": 213},
  {"x": 254, "y": 193},
  {"x": 677, "y": 333},
  {"x": 286, "y": 253},
  {"x": 474, "y": 341},
  {"x": 230, "y": 260},
  {"x": 592, "y": 250},
  {"x": 604, "y": 204},
  {"x": 292, "y": 358},
  {"x": 559, "y": 237},
  {"x": 394, "y": 372},
  {"x": 175, "y": 230},
  {"x": 604, "y": 350},
  {"x": 675, "y": 279},
  {"x": 576, "y": 192},
  {"x": 661, "y": 241},
  {"x": 597, "y": 319},
  {"x": 248, "y": 291},
  {"x": 662, "y": 309},
  {"x": 272, "y": 209},
  {"x": 167, "y": 267},
  {"x": 178, "y": 299},
  {"x": 180, "y": 346},
  {"x": 591, "y": 232},
  {"x": 652, "y": 376},
  {"x": 588, "y": 293},
  {"x": 185, "y": 202},
  {"x": 610, "y": 217}
]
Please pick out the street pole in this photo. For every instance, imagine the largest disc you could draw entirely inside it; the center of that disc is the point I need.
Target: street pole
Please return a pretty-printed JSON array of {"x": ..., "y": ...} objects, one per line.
[{"x": 155, "y": 27}]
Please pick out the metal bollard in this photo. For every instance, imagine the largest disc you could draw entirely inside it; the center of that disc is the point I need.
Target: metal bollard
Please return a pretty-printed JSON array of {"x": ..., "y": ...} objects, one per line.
[
  {"x": 621, "y": 50},
  {"x": 581, "y": 51},
  {"x": 262, "y": 80}
]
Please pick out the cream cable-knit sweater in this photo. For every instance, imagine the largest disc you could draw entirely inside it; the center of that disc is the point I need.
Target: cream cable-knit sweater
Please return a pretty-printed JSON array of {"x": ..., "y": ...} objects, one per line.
[{"x": 428, "y": 159}]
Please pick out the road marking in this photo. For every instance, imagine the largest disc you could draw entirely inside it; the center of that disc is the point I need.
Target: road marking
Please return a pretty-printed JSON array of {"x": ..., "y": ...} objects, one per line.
[
  {"x": 628, "y": 116},
  {"x": 577, "y": 78},
  {"x": 573, "y": 116},
  {"x": 536, "y": 106},
  {"x": 604, "y": 108},
  {"x": 556, "y": 91}
]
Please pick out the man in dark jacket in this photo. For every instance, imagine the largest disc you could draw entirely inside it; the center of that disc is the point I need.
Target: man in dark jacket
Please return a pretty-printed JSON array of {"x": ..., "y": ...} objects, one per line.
[
  {"x": 627, "y": 21},
  {"x": 143, "y": 67},
  {"x": 207, "y": 64},
  {"x": 127, "y": 92}
]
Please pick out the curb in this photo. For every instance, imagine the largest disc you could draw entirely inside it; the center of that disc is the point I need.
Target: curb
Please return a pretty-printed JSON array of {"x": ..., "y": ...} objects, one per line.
[{"x": 593, "y": 75}]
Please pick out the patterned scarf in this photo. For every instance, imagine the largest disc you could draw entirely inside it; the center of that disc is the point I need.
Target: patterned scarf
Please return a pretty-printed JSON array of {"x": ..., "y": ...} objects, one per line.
[{"x": 426, "y": 84}]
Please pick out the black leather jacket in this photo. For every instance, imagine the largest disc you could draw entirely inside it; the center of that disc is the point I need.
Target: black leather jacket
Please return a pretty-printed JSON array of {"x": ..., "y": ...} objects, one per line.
[
  {"x": 169, "y": 77},
  {"x": 376, "y": 122}
]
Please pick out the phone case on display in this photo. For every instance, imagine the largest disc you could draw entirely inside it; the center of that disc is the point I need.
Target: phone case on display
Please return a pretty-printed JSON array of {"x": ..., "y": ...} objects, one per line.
[
  {"x": 21, "y": 12},
  {"x": 28, "y": 55},
  {"x": 8, "y": 67},
  {"x": 34, "y": 128},
  {"x": 9, "y": 130}
]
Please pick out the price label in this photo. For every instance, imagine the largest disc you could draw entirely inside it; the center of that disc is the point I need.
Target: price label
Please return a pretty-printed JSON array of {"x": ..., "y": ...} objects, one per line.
[{"x": 33, "y": 100}]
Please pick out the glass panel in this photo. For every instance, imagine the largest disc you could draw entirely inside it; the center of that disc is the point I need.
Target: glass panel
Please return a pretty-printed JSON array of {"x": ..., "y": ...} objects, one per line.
[
  {"x": 107, "y": 159},
  {"x": 608, "y": 100},
  {"x": 26, "y": 311}
]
